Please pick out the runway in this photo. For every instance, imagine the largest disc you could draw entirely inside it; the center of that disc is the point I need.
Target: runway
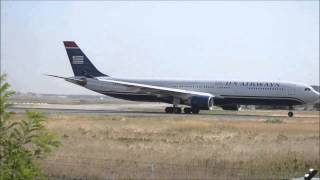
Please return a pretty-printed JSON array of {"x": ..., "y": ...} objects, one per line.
[{"x": 156, "y": 111}]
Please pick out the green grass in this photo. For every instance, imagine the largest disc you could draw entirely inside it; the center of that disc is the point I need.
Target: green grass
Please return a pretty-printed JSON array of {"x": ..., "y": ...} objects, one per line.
[
  {"x": 273, "y": 121},
  {"x": 182, "y": 147}
]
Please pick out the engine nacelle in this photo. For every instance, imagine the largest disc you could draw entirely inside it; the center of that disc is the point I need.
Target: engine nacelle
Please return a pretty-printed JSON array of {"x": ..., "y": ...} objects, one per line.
[
  {"x": 202, "y": 102},
  {"x": 230, "y": 107}
]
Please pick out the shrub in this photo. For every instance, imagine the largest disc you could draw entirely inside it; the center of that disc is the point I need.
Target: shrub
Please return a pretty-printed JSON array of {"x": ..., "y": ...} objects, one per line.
[{"x": 22, "y": 142}]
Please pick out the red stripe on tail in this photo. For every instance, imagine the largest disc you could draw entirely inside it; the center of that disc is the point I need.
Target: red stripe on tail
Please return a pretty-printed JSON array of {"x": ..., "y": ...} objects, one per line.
[{"x": 69, "y": 44}]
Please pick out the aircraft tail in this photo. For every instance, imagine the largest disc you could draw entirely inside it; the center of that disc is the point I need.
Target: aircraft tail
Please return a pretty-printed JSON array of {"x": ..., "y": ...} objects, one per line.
[{"x": 81, "y": 65}]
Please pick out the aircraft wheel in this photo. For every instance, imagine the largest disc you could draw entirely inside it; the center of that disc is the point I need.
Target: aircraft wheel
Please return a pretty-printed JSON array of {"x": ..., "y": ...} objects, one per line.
[
  {"x": 168, "y": 109},
  {"x": 195, "y": 110},
  {"x": 177, "y": 110},
  {"x": 290, "y": 114},
  {"x": 187, "y": 110}
]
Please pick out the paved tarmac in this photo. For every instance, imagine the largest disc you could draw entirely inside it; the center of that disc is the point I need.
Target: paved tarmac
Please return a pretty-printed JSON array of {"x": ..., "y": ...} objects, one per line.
[{"x": 156, "y": 110}]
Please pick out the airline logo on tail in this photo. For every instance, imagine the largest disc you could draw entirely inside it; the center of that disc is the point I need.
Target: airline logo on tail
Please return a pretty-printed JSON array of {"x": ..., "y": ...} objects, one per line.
[{"x": 77, "y": 59}]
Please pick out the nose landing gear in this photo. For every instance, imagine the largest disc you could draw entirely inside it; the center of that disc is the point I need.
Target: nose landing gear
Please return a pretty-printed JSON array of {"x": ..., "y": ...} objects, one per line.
[{"x": 290, "y": 113}]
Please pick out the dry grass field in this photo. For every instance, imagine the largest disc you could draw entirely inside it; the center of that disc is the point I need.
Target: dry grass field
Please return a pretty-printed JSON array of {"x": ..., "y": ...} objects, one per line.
[{"x": 182, "y": 147}]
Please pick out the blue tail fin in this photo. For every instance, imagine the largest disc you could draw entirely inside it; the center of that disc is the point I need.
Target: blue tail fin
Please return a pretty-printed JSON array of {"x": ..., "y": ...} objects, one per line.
[{"x": 81, "y": 65}]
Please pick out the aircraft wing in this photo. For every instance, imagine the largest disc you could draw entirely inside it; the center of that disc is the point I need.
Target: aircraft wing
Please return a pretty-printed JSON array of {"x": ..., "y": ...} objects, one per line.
[{"x": 158, "y": 90}]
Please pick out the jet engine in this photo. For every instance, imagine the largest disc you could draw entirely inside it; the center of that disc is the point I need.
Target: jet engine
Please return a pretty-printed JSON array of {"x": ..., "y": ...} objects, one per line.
[{"x": 202, "y": 102}]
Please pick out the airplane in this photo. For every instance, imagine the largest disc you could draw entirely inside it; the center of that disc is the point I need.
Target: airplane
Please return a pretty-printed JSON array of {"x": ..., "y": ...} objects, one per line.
[{"x": 192, "y": 95}]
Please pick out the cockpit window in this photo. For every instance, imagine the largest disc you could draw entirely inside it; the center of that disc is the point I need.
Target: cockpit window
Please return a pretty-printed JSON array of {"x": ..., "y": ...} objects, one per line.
[{"x": 307, "y": 89}]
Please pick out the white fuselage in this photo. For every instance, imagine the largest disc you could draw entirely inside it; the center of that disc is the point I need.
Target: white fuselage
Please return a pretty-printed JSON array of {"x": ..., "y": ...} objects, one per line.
[
  {"x": 225, "y": 92},
  {"x": 198, "y": 95}
]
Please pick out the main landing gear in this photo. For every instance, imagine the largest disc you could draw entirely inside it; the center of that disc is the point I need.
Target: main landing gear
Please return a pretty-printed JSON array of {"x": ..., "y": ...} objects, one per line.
[
  {"x": 178, "y": 110},
  {"x": 175, "y": 110}
]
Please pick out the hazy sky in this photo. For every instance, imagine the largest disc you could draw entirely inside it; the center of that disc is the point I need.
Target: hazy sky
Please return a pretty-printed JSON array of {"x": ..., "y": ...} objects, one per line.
[{"x": 238, "y": 40}]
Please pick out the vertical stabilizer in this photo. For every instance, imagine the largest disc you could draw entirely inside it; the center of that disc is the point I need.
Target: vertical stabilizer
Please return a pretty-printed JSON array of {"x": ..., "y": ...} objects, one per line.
[{"x": 81, "y": 65}]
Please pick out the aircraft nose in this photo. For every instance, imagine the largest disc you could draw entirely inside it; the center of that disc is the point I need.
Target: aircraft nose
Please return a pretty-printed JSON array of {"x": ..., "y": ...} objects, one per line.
[{"x": 316, "y": 97}]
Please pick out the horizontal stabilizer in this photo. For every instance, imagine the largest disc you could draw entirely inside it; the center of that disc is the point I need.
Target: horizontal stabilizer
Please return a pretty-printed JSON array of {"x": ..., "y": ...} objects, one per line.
[
  {"x": 55, "y": 76},
  {"x": 80, "y": 81}
]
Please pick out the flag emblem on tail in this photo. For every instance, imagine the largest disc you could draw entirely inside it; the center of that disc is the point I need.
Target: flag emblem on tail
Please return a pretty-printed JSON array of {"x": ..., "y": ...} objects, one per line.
[{"x": 77, "y": 59}]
